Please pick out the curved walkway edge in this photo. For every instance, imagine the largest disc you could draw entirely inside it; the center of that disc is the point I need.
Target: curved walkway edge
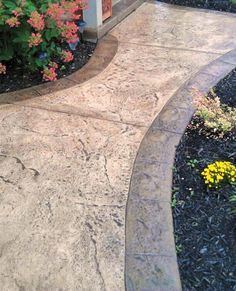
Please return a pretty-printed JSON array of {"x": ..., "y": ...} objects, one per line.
[
  {"x": 103, "y": 54},
  {"x": 151, "y": 262},
  {"x": 67, "y": 156}
]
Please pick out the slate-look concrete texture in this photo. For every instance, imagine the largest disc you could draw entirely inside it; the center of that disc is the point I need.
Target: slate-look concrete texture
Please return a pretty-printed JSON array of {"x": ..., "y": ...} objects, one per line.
[
  {"x": 151, "y": 262},
  {"x": 66, "y": 159}
]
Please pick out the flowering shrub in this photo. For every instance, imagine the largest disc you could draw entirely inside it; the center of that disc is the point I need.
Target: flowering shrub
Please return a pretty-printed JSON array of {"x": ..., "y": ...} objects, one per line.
[
  {"x": 219, "y": 172},
  {"x": 67, "y": 56},
  {"x": 33, "y": 31},
  {"x": 2, "y": 69},
  {"x": 49, "y": 74},
  {"x": 216, "y": 116}
]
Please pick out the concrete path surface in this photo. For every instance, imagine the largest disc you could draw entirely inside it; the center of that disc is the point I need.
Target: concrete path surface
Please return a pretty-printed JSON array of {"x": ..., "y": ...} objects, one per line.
[{"x": 66, "y": 158}]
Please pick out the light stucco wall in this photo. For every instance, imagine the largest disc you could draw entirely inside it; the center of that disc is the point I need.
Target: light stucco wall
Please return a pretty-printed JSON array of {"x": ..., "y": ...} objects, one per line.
[{"x": 93, "y": 15}]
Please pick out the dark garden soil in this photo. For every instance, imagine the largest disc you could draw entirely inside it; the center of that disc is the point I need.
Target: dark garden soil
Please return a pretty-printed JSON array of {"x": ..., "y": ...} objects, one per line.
[
  {"x": 18, "y": 77},
  {"x": 205, "y": 228},
  {"x": 220, "y": 5}
]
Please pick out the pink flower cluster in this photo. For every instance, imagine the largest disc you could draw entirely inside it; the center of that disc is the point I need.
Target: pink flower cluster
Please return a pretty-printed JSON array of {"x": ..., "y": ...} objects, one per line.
[
  {"x": 53, "y": 65},
  {"x": 49, "y": 74},
  {"x": 67, "y": 56},
  {"x": 55, "y": 24},
  {"x": 65, "y": 11},
  {"x": 71, "y": 10},
  {"x": 69, "y": 31},
  {"x": 17, "y": 12},
  {"x": 3, "y": 69},
  {"x": 64, "y": 15},
  {"x": 36, "y": 21},
  {"x": 82, "y": 4},
  {"x": 13, "y": 22},
  {"x": 35, "y": 39},
  {"x": 55, "y": 11}
]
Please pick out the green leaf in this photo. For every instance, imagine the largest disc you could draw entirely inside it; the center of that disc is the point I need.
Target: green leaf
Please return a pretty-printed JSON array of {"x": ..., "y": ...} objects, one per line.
[
  {"x": 6, "y": 54},
  {"x": 22, "y": 36},
  {"x": 51, "y": 33},
  {"x": 10, "y": 4},
  {"x": 44, "y": 8},
  {"x": 40, "y": 63},
  {"x": 29, "y": 7}
]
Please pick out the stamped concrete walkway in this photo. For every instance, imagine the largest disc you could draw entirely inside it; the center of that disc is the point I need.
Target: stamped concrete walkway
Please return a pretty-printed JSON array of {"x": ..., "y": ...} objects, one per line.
[{"x": 66, "y": 158}]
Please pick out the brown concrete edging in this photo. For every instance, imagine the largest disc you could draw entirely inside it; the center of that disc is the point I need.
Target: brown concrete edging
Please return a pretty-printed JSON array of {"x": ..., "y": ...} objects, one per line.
[
  {"x": 150, "y": 260},
  {"x": 104, "y": 52}
]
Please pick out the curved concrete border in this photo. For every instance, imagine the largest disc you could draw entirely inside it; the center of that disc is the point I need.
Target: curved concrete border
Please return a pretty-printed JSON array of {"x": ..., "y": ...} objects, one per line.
[
  {"x": 150, "y": 261},
  {"x": 104, "y": 52}
]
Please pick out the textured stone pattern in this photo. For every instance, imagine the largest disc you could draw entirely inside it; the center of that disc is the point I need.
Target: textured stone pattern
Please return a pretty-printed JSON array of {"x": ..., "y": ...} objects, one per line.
[
  {"x": 150, "y": 248},
  {"x": 179, "y": 28},
  {"x": 151, "y": 262},
  {"x": 66, "y": 159},
  {"x": 62, "y": 203}
]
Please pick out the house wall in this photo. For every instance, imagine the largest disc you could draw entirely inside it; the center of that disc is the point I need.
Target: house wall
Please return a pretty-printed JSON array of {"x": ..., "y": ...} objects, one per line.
[{"x": 94, "y": 17}]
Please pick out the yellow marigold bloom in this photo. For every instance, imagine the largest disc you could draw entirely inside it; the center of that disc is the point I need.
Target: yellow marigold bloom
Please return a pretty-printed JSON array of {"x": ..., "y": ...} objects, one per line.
[{"x": 218, "y": 172}]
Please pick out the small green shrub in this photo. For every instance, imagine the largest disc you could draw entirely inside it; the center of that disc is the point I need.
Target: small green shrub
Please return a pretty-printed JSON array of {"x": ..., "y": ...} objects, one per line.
[
  {"x": 32, "y": 31},
  {"x": 217, "y": 117}
]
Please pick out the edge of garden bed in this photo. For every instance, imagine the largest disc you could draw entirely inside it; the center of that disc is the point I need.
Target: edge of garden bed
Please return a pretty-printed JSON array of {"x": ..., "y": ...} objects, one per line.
[
  {"x": 150, "y": 256},
  {"x": 199, "y": 9},
  {"x": 104, "y": 52}
]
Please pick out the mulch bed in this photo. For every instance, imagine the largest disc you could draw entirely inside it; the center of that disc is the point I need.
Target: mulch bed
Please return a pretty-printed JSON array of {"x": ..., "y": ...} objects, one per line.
[
  {"x": 18, "y": 77},
  {"x": 220, "y": 5},
  {"x": 205, "y": 228}
]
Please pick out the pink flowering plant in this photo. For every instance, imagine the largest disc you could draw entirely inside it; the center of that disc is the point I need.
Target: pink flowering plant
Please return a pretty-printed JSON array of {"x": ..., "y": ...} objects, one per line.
[{"x": 32, "y": 33}]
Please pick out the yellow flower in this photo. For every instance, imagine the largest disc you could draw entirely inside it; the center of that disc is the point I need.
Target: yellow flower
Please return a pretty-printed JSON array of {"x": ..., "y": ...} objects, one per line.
[{"x": 217, "y": 172}]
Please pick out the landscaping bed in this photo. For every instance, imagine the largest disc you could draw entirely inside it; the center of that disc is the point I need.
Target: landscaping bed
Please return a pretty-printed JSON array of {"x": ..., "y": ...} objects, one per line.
[
  {"x": 205, "y": 227},
  {"x": 18, "y": 77},
  {"x": 41, "y": 41},
  {"x": 220, "y": 5}
]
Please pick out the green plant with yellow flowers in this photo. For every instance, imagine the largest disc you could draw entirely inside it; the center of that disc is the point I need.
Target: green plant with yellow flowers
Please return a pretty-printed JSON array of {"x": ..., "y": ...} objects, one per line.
[{"x": 219, "y": 172}]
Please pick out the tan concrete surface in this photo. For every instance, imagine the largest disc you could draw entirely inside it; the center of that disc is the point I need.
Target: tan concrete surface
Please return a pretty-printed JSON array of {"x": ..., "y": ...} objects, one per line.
[
  {"x": 151, "y": 261},
  {"x": 66, "y": 158}
]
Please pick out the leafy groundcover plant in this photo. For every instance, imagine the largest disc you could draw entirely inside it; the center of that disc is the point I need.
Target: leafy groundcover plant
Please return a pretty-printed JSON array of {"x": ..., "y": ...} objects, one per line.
[
  {"x": 221, "y": 119},
  {"x": 233, "y": 200},
  {"x": 219, "y": 172},
  {"x": 32, "y": 33},
  {"x": 204, "y": 191},
  {"x": 216, "y": 116}
]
